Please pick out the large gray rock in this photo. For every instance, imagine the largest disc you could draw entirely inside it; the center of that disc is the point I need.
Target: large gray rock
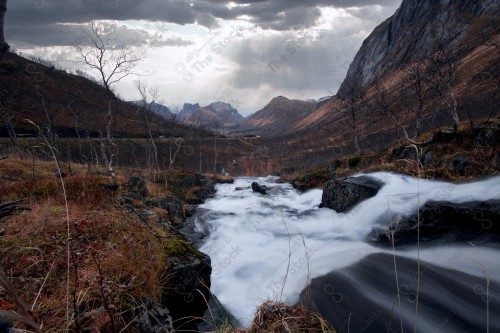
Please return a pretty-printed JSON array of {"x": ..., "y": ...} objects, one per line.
[
  {"x": 342, "y": 195},
  {"x": 443, "y": 221},
  {"x": 171, "y": 204},
  {"x": 151, "y": 317}
]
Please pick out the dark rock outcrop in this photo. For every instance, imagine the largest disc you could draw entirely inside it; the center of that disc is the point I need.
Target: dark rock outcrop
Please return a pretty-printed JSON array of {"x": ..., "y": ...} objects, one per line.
[
  {"x": 151, "y": 317},
  {"x": 441, "y": 220},
  {"x": 342, "y": 195},
  {"x": 172, "y": 204},
  {"x": 428, "y": 159},
  {"x": 136, "y": 188},
  {"x": 402, "y": 153},
  {"x": 262, "y": 189},
  {"x": 188, "y": 288},
  {"x": 460, "y": 163},
  {"x": 204, "y": 188}
]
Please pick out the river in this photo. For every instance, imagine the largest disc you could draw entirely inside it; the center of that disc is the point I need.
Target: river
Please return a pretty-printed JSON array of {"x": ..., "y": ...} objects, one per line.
[{"x": 282, "y": 247}]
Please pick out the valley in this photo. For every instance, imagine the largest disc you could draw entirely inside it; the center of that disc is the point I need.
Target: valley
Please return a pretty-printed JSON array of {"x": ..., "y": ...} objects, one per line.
[{"x": 171, "y": 167}]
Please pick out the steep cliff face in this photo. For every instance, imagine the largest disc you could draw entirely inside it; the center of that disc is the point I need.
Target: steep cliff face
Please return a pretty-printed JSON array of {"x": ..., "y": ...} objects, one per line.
[{"x": 416, "y": 30}]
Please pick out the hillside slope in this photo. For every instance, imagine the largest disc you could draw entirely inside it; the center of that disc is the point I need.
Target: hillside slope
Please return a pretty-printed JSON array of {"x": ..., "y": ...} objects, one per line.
[{"x": 29, "y": 90}]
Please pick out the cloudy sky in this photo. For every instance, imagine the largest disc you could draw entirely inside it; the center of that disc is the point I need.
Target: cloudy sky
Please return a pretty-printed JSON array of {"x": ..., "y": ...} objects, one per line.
[{"x": 244, "y": 52}]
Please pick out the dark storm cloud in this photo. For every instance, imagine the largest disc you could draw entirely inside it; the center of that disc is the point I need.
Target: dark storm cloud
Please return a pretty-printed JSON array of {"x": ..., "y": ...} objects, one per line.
[{"x": 37, "y": 22}]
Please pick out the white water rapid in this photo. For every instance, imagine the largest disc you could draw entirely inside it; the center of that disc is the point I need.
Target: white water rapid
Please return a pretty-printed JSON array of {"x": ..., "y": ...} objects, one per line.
[{"x": 268, "y": 247}]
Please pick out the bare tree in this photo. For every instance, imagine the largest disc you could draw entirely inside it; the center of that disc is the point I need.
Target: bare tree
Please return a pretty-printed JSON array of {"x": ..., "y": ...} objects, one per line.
[
  {"x": 175, "y": 147},
  {"x": 148, "y": 97},
  {"x": 4, "y": 47},
  {"x": 441, "y": 75},
  {"x": 8, "y": 102},
  {"x": 418, "y": 93},
  {"x": 81, "y": 130},
  {"x": 493, "y": 41},
  {"x": 351, "y": 102},
  {"x": 112, "y": 63},
  {"x": 381, "y": 100}
]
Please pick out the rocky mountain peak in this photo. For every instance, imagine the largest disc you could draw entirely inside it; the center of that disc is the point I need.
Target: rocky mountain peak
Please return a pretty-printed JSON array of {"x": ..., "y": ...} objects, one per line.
[{"x": 414, "y": 32}]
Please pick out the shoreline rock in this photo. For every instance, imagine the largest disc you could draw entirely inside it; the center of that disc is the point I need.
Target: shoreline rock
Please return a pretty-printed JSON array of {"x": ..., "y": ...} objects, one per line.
[
  {"x": 341, "y": 195},
  {"x": 442, "y": 220}
]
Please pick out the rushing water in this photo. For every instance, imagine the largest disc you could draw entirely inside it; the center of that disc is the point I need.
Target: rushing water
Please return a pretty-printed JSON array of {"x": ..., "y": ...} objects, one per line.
[{"x": 269, "y": 247}]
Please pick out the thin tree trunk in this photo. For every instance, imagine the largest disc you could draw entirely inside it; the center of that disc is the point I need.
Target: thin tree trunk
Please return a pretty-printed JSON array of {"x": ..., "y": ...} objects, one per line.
[
  {"x": 453, "y": 110},
  {"x": 201, "y": 160},
  {"x": 215, "y": 151}
]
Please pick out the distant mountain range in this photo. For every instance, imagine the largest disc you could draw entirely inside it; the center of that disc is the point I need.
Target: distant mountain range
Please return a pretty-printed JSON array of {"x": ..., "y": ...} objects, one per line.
[
  {"x": 217, "y": 116},
  {"x": 272, "y": 120}
]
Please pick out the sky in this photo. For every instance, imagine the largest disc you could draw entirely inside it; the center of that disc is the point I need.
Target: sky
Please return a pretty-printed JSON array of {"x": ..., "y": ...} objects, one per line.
[{"x": 243, "y": 52}]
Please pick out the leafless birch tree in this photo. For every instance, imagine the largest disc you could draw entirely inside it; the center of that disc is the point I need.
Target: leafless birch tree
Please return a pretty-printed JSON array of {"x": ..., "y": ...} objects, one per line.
[{"x": 111, "y": 63}]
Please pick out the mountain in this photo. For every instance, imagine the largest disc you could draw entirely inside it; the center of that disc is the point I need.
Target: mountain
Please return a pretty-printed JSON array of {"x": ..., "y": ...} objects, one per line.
[
  {"x": 461, "y": 36},
  {"x": 419, "y": 29},
  {"x": 276, "y": 117},
  {"x": 217, "y": 115},
  {"x": 161, "y": 110},
  {"x": 188, "y": 107},
  {"x": 467, "y": 31}
]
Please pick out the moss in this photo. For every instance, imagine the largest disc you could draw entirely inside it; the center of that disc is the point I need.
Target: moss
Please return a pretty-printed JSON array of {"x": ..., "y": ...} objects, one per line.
[{"x": 178, "y": 247}]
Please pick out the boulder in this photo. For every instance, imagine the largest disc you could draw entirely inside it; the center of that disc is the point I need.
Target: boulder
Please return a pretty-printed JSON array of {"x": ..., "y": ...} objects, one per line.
[
  {"x": 262, "y": 189},
  {"x": 136, "y": 188},
  {"x": 428, "y": 159},
  {"x": 188, "y": 288},
  {"x": 460, "y": 163},
  {"x": 151, "y": 317},
  {"x": 485, "y": 136},
  {"x": 402, "y": 153},
  {"x": 171, "y": 204},
  {"x": 205, "y": 191},
  {"x": 342, "y": 195},
  {"x": 441, "y": 220}
]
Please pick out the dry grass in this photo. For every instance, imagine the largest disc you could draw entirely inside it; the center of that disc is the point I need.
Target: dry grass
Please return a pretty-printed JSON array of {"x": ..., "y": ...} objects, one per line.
[
  {"x": 274, "y": 317},
  {"x": 482, "y": 160},
  {"x": 115, "y": 256}
]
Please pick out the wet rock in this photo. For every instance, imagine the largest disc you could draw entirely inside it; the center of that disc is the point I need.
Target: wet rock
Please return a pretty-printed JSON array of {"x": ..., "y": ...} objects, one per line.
[
  {"x": 262, "y": 189},
  {"x": 241, "y": 188},
  {"x": 441, "y": 220},
  {"x": 188, "y": 289},
  {"x": 342, "y": 195},
  {"x": 171, "y": 204},
  {"x": 205, "y": 191},
  {"x": 460, "y": 163},
  {"x": 402, "y": 153},
  {"x": 485, "y": 136},
  {"x": 428, "y": 159},
  {"x": 151, "y": 317}
]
